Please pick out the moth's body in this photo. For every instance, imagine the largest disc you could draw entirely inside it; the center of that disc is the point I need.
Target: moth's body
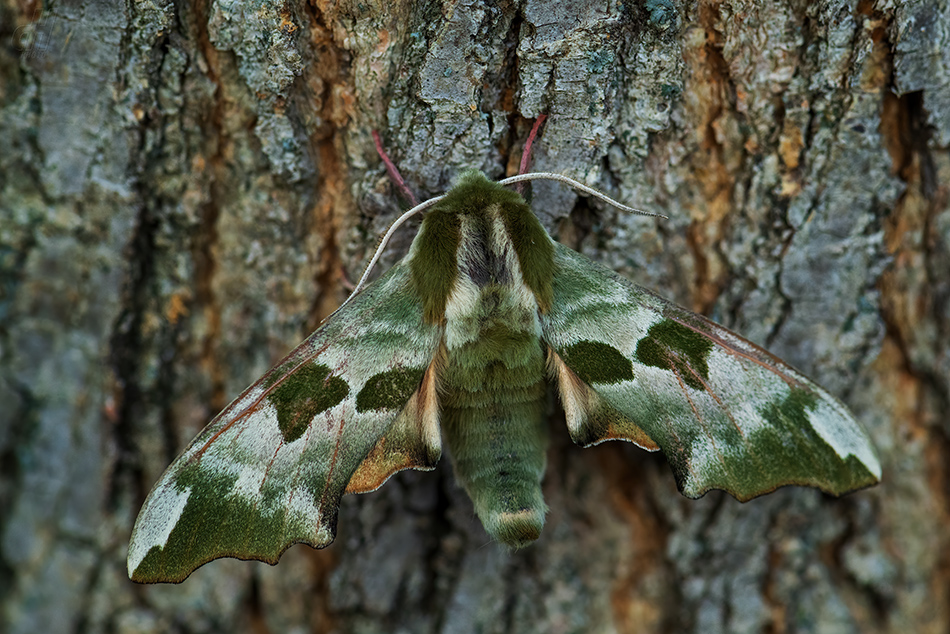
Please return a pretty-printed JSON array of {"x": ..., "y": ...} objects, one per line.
[
  {"x": 491, "y": 362},
  {"x": 455, "y": 341}
]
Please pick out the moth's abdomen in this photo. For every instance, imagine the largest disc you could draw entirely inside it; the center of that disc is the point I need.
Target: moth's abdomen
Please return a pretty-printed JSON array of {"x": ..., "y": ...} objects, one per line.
[
  {"x": 493, "y": 420},
  {"x": 499, "y": 456}
]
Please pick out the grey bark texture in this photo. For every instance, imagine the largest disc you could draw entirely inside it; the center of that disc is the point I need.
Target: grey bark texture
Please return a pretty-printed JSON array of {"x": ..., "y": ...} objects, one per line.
[{"x": 185, "y": 189}]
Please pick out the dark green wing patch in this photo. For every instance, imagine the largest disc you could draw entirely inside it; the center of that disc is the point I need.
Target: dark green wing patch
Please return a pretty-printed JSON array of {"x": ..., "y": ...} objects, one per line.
[
  {"x": 214, "y": 520},
  {"x": 389, "y": 390},
  {"x": 597, "y": 362},
  {"x": 669, "y": 345},
  {"x": 792, "y": 411},
  {"x": 302, "y": 395}
]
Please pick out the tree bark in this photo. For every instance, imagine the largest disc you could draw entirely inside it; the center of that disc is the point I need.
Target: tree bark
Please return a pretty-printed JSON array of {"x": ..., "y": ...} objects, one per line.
[{"x": 186, "y": 189}]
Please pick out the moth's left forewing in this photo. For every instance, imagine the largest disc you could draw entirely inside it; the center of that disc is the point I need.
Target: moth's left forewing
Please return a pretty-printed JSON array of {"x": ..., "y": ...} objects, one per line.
[
  {"x": 727, "y": 414},
  {"x": 270, "y": 469}
]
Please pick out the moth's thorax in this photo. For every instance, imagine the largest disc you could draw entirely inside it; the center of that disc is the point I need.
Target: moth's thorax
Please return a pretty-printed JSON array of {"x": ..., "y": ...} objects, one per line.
[
  {"x": 481, "y": 235},
  {"x": 489, "y": 284}
]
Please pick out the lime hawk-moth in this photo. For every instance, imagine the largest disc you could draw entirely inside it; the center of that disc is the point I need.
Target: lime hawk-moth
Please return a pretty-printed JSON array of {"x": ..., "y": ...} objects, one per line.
[{"x": 460, "y": 341}]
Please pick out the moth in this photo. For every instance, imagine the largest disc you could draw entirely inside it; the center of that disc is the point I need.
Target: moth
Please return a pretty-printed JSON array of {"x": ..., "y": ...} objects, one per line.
[{"x": 459, "y": 341}]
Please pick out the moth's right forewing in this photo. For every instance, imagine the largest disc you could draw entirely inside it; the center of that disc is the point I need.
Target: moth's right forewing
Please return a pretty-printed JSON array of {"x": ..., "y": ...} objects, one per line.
[{"x": 726, "y": 413}]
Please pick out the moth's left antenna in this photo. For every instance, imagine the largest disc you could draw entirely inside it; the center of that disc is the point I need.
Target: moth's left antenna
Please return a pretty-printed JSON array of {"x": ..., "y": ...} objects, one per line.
[{"x": 417, "y": 207}]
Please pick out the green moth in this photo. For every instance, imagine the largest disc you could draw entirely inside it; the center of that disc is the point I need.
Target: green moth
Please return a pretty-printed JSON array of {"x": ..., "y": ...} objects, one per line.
[{"x": 459, "y": 340}]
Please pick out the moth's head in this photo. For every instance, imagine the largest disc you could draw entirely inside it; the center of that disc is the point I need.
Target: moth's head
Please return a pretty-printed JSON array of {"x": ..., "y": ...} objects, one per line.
[{"x": 473, "y": 193}]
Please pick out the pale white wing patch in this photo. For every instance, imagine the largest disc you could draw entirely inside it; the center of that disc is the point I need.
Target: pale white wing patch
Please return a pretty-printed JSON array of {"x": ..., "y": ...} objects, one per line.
[
  {"x": 158, "y": 520},
  {"x": 847, "y": 440}
]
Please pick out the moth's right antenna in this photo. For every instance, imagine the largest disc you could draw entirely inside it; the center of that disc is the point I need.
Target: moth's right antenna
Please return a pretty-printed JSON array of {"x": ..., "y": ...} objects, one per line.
[{"x": 548, "y": 176}]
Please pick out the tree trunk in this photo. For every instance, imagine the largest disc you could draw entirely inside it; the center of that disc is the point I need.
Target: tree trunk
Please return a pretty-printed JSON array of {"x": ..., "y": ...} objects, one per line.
[{"x": 186, "y": 189}]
